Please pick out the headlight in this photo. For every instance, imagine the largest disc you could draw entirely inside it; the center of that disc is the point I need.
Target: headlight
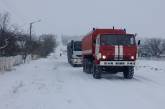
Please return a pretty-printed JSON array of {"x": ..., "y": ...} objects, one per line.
[
  {"x": 75, "y": 60},
  {"x": 132, "y": 57},
  {"x": 104, "y": 57}
]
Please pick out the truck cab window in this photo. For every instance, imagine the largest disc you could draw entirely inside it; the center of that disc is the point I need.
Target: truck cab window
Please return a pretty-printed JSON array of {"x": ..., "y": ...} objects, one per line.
[
  {"x": 132, "y": 40},
  {"x": 77, "y": 46},
  {"x": 117, "y": 39}
]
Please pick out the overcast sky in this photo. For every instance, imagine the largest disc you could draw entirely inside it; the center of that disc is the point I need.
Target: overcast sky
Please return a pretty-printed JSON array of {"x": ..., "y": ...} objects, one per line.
[{"x": 77, "y": 17}]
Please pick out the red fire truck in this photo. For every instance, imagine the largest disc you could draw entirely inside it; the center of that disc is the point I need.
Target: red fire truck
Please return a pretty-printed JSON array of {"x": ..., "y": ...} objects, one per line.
[{"x": 109, "y": 51}]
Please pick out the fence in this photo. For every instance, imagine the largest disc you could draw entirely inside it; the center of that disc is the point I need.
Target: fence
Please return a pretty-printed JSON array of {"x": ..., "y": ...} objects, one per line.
[{"x": 6, "y": 63}]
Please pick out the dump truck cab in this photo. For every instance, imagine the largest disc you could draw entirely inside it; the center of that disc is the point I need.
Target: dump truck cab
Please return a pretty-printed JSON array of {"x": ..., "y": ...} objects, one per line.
[{"x": 74, "y": 53}]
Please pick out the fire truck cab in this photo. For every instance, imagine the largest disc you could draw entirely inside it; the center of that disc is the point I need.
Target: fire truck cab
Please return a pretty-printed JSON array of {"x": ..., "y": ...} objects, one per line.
[{"x": 109, "y": 51}]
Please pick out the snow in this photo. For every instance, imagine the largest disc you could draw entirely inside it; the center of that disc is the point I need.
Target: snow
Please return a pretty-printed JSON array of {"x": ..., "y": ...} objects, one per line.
[{"x": 51, "y": 83}]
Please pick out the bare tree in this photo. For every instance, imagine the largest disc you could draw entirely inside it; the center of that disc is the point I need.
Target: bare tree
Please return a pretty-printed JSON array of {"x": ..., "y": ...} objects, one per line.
[
  {"x": 4, "y": 21},
  {"x": 5, "y": 45},
  {"x": 8, "y": 44},
  {"x": 47, "y": 44},
  {"x": 14, "y": 41},
  {"x": 153, "y": 47},
  {"x": 163, "y": 46}
]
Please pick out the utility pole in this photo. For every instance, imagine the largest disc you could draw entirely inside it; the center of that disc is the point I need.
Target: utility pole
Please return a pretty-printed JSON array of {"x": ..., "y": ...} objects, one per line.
[
  {"x": 31, "y": 31},
  {"x": 30, "y": 37},
  {"x": 31, "y": 25}
]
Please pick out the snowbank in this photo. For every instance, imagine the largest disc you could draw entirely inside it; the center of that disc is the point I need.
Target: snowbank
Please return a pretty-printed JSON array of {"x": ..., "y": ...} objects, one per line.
[{"x": 52, "y": 83}]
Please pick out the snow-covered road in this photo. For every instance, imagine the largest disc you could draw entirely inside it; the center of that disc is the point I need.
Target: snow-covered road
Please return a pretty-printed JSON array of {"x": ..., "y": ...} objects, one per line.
[{"x": 52, "y": 83}]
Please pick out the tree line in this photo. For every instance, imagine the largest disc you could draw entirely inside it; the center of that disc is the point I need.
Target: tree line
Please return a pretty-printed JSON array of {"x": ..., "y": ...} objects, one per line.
[
  {"x": 13, "y": 41},
  {"x": 152, "y": 47}
]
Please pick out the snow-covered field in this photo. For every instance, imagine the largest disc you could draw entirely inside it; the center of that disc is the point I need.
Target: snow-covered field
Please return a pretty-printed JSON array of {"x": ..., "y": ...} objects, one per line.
[{"x": 52, "y": 83}]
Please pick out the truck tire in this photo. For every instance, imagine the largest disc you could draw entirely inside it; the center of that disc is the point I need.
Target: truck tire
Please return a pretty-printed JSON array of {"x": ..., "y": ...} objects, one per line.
[
  {"x": 88, "y": 66},
  {"x": 84, "y": 65},
  {"x": 96, "y": 72},
  {"x": 128, "y": 72},
  {"x": 74, "y": 65}
]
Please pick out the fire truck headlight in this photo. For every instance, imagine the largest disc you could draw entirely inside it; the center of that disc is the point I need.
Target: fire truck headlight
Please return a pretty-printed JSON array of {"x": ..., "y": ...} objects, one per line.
[
  {"x": 104, "y": 57},
  {"x": 132, "y": 57}
]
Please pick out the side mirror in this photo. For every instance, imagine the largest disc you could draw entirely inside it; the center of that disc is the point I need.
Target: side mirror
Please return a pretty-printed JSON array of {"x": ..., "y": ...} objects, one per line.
[{"x": 138, "y": 42}]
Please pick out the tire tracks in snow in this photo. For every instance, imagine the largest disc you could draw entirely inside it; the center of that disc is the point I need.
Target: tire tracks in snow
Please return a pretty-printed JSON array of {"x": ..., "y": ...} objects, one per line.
[{"x": 65, "y": 77}]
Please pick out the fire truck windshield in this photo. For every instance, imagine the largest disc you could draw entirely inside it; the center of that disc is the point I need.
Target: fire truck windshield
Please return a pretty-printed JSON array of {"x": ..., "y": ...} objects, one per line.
[
  {"x": 77, "y": 46},
  {"x": 117, "y": 39}
]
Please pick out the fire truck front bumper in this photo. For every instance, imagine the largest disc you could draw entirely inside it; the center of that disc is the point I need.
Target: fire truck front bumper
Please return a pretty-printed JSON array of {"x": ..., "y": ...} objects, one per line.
[{"x": 117, "y": 63}]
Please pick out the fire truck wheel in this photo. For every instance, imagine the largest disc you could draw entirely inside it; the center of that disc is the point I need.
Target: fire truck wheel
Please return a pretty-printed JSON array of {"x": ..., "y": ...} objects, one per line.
[
  {"x": 83, "y": 67},
  {"x": 96, "y": 72},
  {"x": 128, "y": 73}
]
